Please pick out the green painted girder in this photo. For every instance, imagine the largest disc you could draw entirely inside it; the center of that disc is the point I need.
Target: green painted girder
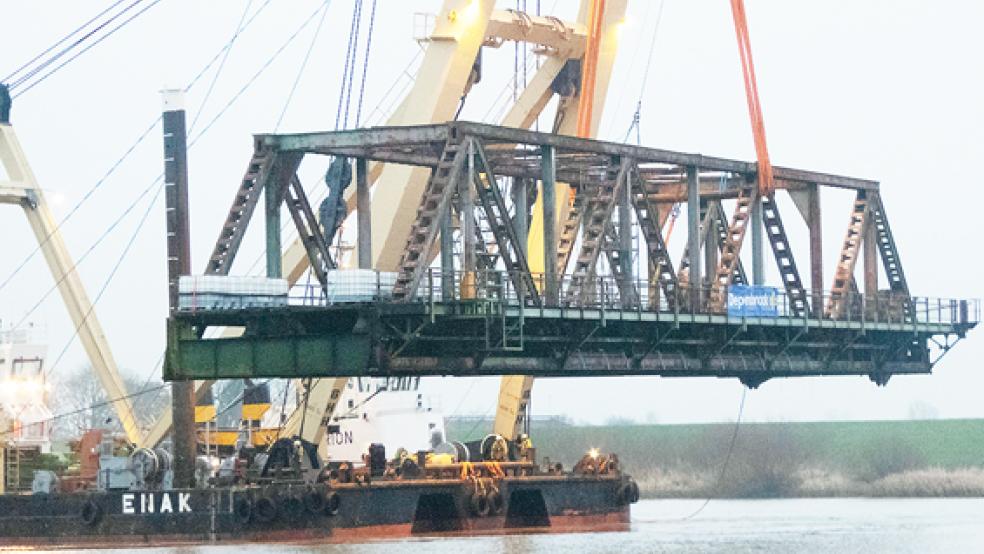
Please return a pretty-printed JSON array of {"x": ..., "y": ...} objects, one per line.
[{"x": 453, "y": 338}]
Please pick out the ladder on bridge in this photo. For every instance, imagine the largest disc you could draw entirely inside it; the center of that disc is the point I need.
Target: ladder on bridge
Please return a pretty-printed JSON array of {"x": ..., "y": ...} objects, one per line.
[
  {"x": 434, "y": 201},
  {"x": 790, "y": 276},
  {"x": 237, "y": 219}
]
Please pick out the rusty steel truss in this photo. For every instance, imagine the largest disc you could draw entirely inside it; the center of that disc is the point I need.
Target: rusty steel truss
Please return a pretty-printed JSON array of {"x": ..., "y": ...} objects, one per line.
[{"x": 481, "y": 311}]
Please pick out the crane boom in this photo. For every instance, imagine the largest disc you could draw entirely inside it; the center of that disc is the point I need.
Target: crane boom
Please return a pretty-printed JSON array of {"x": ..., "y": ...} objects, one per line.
[{"x": 22, "y": 188}]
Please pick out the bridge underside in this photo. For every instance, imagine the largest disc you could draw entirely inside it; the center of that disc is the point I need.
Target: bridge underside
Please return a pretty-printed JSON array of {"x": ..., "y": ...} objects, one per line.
[{"x": 481, "y": 338}]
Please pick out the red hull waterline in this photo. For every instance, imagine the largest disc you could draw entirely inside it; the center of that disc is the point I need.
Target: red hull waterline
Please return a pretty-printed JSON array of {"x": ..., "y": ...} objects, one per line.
[{"x": 489, "y": 526}]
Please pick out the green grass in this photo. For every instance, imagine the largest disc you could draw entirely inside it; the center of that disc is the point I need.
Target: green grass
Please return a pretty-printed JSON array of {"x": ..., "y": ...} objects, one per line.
[{"x": 856, "y": 447}]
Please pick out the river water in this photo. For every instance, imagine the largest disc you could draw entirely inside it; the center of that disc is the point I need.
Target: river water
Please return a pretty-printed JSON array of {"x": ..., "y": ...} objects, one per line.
[{"x": 762, "y": 526}]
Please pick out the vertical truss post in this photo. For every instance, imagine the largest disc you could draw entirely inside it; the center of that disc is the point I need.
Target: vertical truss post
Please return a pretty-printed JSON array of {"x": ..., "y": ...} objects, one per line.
[
  {"x": 815, "y": 226},
  {"x": 711, "y": 244},
  {"x": 627, "y": 281},
  {"x": 758, "y": 260},
  {"x": 548, "y": 171},
  {"x": 693, "y": 236},
  {"x": 272, "y": 199},
  {"x": 870, "y": 262},
  {"x": 363, "y": 213},
  {"x": 466, "y": 217},
  {"x": 521, "y": 221},
  {"x": 447, "y": 255}
]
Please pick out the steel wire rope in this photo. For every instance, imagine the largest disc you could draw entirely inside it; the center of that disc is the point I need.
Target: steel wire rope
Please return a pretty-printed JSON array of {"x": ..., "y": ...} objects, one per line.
[
  {"x": 108, "y": 34},
  {"x": 348, "y": 62},
  {"x": 226, "y": 50},
  {"x": 41, "y": 66},
  {"x": 727, "y": 457},
  {"x": 636, "y": 117},
  {"x": 365, "y": 62},
  {"x": 60, "y": 41},
  {"x": 355, "y": 57},
  {"x": 99, "y": 404},
  {"x": 108, "y": 280},
  {"x": 118, "y": 162},
  {"x": 156, "y": 181},
  {"x": 300, "y": 70},
  {"x": 321, "y": 196}
]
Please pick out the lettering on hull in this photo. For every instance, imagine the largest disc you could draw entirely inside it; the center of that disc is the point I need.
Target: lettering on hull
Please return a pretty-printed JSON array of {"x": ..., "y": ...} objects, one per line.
[{"x": 146, "y": 503}]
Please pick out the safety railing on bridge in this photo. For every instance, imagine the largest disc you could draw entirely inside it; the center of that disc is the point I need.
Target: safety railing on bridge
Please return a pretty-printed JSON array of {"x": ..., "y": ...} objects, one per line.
[{"x": 609, "y": 293}]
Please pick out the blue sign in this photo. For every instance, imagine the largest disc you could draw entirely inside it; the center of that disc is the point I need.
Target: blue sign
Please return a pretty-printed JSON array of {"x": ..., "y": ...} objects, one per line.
[{"x": 753, "y": 301}]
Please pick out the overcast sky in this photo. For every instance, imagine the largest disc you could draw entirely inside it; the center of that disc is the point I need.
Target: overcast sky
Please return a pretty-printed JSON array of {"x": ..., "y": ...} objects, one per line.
[{"x": 887, "y": 90}]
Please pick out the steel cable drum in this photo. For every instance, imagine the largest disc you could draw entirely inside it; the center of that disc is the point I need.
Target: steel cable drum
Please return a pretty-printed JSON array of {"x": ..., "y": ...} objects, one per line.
[{"x": 145, "y": 465}]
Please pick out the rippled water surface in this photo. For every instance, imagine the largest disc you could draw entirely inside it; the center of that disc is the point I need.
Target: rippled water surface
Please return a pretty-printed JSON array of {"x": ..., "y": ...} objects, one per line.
[{"x": 807, "y": 525}]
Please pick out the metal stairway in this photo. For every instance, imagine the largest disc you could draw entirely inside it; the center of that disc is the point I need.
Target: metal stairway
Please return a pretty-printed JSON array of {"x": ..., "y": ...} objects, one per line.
[
  {"x": 776, "y": 233},
  {"x": 730, "y": 249},
  {"x": 438, "y": 191},
  {"x": 890, "y": 255},
  {"x": 844, "y": 274},
  {"x": 568, "y": 231},
  {"x": 243, "y": 204}
]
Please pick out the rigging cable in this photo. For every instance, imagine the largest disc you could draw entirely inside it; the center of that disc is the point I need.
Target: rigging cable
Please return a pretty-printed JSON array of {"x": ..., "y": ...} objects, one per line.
[
  {"x": 84, "y": 50},
  {"x": 355, "y": 55},
  {"x": 60, "y": 41},
  {"x": 636, "y": 117},
  {"x": 365, "y": 63},
  {"x": 41, "y": 66},
  {"x": 300, "y": 70},
  {"x": 727, "y": 457},
  {"x": 225, "y": 56},
  {"x": 118, "y": 162},
  {"x": 348, "y": 63},
  {"x": 191, "y": 143}
]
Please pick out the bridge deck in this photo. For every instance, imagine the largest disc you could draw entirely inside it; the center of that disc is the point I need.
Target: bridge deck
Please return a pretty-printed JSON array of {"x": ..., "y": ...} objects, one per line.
[{"x": 436, "y": 335}]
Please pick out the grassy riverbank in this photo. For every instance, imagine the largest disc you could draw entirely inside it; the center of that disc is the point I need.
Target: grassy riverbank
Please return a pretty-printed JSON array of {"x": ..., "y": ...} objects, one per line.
[{"x": 865, "y": 458}]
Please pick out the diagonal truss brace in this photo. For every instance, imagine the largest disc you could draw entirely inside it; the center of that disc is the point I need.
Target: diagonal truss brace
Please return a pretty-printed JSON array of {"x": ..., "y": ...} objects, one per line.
[
  {"x": 308, "y": 230},
  {"x": 598, "y": 214},
  {"x": 844, "y": 281},
  {"x": 510, "y": 250}
]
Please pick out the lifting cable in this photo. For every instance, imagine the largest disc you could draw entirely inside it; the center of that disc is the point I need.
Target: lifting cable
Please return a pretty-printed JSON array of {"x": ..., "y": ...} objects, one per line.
[
  {"x": 300, "y": 70},
  {"x": 21, "y": 81},
  {"x": 60, "y": 41},
  {"x": 225, "y": 56},
  {"x": 126, "y": 154},
  {"x": 637, "y": 116},
  {"x": 727, "y": 457},
  {"x": 153, "y": 184}
]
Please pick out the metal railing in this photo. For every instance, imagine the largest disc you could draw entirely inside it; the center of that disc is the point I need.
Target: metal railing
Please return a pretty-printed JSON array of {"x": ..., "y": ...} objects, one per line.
[{"x": 606, "y": 293}]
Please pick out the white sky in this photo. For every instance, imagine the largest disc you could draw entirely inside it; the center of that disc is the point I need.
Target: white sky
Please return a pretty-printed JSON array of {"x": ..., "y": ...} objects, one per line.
[{"x": 887, "y": 90}]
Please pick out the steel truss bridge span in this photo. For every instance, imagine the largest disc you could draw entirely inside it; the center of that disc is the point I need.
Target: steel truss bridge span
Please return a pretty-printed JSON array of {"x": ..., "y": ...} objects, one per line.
[{"x": 481, "y": 311}]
